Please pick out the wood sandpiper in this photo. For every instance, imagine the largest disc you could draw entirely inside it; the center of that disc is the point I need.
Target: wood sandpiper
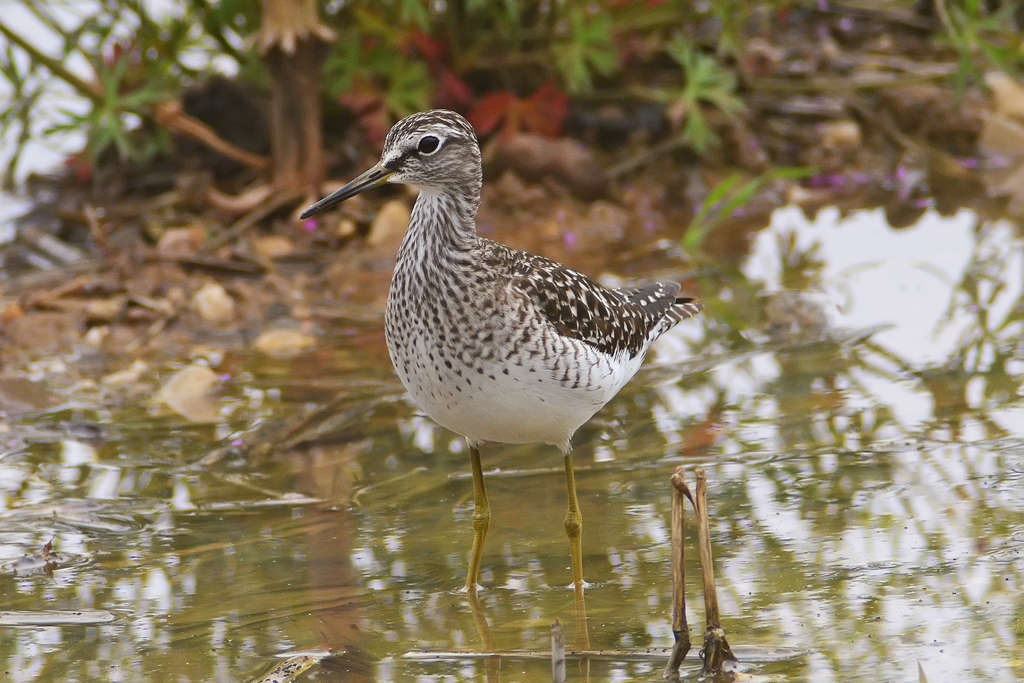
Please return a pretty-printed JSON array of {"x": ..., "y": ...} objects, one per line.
[{"x": 493, "y": 343}]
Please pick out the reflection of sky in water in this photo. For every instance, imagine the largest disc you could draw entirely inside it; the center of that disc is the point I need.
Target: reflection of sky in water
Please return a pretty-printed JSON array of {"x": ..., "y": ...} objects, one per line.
[
  {"x": 902, "y": 280},
  {"x": 876, "y": 275}
]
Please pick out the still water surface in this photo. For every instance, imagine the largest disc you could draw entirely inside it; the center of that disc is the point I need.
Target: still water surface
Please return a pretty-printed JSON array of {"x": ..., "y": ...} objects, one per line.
[{"x": 853, "y": 392}]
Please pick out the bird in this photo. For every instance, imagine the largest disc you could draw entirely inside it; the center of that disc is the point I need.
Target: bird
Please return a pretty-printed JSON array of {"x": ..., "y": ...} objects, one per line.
[{"x": 493, "y": 343}]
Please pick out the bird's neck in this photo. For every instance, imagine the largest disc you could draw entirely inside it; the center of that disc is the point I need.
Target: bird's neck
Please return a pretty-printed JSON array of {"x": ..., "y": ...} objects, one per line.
[{"x": 442, "y": 225}]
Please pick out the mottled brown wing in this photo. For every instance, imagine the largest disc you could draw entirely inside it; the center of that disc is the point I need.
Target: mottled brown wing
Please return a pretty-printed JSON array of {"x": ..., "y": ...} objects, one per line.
[{"x": 610, "y": 320}]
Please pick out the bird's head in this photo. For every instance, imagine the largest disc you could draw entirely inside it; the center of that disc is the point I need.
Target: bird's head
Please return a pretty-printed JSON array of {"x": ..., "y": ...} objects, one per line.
[{"x": 433, "y": 150}]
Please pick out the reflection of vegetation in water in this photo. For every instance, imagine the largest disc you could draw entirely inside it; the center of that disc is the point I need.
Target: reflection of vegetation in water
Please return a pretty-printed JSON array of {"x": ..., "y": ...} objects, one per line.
[
  {"x": 846, "y": 514},
  {"x": 865, "y": 498},
  {"x": 728, "y": 197}
]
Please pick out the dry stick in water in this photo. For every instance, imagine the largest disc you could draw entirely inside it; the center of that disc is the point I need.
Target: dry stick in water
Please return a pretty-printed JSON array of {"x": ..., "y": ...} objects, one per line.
[
  {"x": 716, "y": 647},
  {"x": 680, "y": 629},
  {"x": 557, "y": 653}
]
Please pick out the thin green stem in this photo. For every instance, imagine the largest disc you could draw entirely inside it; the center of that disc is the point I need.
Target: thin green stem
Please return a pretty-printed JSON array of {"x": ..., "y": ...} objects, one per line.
[{"x": 54, "y": 66}]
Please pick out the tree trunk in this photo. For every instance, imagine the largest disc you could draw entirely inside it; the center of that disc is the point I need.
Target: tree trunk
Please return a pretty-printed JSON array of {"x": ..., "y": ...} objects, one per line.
[{"x": 292, "y": 42}]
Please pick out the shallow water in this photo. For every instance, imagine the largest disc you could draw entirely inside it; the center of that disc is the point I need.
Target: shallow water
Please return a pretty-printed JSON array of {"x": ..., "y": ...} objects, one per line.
[{"x": 863, "y": 443}]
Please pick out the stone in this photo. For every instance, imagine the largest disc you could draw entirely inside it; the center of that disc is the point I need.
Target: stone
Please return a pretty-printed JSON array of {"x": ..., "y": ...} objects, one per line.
[
  {"x": 213, "y": 303},
  {"x": 181, "y": 241},
  {"x": 273, "y": 246},
  {"x": 389, "y": 224},
  {"x": 190, "y": 393},
  {"x": 284, "y": 343}
]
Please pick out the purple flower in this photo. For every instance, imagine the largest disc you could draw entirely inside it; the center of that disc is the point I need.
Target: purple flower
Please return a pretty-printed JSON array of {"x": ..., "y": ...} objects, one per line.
[{"x": 310, "y": 225}]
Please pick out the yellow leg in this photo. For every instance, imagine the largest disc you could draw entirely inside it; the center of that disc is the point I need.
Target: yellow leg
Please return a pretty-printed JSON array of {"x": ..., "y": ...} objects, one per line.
[
  {"x": 481, "y": 520},
  {"x": 574, "y": 526}
]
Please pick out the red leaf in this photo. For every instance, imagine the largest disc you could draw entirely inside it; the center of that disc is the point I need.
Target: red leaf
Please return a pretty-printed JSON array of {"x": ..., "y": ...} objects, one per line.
[
  {"x": 488, "y": 112},
  {"x": 544, "y": 111},
  {"x": 452, "y": 92},
  {"x": 80, "y": 167},
  {"x": 367, "y": 104},
  {"x": 431, "y": 49}
]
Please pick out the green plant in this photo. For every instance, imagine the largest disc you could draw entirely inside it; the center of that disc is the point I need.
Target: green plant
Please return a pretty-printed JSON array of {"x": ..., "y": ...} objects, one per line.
[
  {"x": 371, "y": 52},
  {"x": 706, "y": 81},
  {"x": 16, "y": 119},
  {"x": 587, "y": 49},
  {"x": 974, "y": 29},
  {"x": 116, "y": 112},
  {"x": 136, "y": 60},
  {"x": 729, "y": 196}
]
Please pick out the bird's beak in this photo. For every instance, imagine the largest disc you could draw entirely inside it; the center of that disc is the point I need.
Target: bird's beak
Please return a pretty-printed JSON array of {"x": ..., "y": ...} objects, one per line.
[{"x": 374, "y": 177}]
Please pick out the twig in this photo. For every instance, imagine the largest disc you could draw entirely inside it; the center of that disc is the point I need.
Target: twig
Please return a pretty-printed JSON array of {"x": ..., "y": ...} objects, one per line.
[
  {"x": 651, "y": 655},
  {"x": 211, "y": 28},
  {"x": 825, "y": 84},
  {"x": 250, "y": 219},
  {"x": 650, "y": 154},
  {"x": 943, "y": 15},
  {"x": 54, "y": 66},
  {"x": 171, "y": 115},
  {"x": 32, "y": 281},
  {"x": 680, "y": 629},
  {"x": 716, "y": 647},
  {"x": 557, "y": 653},
  {"x": 51, "y": 246}
]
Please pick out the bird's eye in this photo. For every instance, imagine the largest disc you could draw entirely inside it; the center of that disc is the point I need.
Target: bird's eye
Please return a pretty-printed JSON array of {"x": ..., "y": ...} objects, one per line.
[{"x": 428, "y": 144}]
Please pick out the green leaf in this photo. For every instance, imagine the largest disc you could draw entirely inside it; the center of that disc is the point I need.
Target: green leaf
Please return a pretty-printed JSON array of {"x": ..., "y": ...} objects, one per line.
[
  {"x": 587, "y": 48},
  {"x": 705, "y": 82},
  {"x": 725, "y": 199},
  {"x": 414, "y": 12}
]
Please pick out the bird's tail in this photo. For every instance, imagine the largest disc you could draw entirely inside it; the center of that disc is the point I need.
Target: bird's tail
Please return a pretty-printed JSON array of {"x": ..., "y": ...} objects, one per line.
[{"x": 683, "y": 308}]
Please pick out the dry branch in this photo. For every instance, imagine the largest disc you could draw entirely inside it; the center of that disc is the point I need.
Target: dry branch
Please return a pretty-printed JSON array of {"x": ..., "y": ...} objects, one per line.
[
  {"x": 680, "y": 629},
  {"x": 171, "y": 115},
  {"x": 716, "y": 647}
]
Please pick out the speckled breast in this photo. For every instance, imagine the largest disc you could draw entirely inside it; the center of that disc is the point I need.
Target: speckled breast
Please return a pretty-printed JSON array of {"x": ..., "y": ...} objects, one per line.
[{"x": 489, "y": 372}]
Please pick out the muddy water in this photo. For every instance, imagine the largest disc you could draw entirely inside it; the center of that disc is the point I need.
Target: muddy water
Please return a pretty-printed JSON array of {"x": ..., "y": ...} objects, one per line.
[{"x": 853, "y": 392}]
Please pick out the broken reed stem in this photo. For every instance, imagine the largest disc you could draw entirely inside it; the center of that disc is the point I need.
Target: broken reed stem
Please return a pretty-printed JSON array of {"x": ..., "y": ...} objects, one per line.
[
  {"x": 716, "y": 647},
  {"x": 680, "y": 629},
  {"x": 557, "y": 653}
]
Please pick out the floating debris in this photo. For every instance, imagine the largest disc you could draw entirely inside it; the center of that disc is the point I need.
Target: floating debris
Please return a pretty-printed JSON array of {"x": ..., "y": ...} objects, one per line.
[{"x": 55, "y": 617}]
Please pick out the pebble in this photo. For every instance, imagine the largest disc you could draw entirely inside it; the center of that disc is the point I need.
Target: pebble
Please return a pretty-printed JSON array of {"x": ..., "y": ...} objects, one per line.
[
  {"x": 389, "y": 224},
  {"x": 843, "y": 134},
  {"x": 284, "y": 343},
  {"x": 181, "y": 241},
  {"x": 189, "y": 392},
  {"x": 213, "y": 303},
  {"x": 130, "y": 375},
  {"x": 273, "y": 246}
]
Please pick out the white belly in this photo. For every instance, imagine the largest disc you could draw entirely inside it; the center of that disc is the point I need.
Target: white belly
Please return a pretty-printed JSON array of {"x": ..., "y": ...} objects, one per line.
[{"x": 503, "y": 402}]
